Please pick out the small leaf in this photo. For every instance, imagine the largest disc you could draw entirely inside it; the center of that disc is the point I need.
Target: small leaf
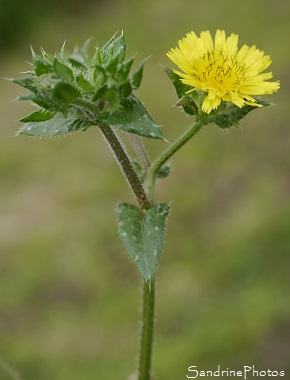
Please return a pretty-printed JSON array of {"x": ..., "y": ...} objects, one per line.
[
  {"x": 142, "y": 236},
  {"x": 133, "y": 117},
  {"x": 112, "y": 66},
  {"x": 114, "y": 48},
  {"x": 164, "y": 171},
  {"x": 124, "y": 69},
  {"x": 188, "y": 104},
  {"x": 83, "y": 83},
  {"x": 28, "y": 83},
  {"x": 62, "y": 71},
  {"x": 125, "y": 89},
  {"x": 64, "y": 92},
  {"x": 58, "y": 125},
  {"x": 99, "y": 76},
  {"x": 39, "y": 115},
  {"x": 109, "y": 97},
  {"x": 76, "y": 62},
  {"x": 137, "y": 75},
  {"x": 41, "y": 66}
]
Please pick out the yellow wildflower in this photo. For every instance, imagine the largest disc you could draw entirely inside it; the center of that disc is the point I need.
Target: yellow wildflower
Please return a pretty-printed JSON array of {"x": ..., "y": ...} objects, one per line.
[{"x": 221, "y": 70}]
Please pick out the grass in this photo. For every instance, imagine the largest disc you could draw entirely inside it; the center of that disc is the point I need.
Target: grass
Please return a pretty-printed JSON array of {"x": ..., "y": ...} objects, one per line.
[{"x": 69, "y": 298}]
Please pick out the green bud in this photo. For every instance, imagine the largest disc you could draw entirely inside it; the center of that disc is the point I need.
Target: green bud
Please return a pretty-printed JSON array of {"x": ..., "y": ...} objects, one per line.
[{"x": 98, "y": 88}]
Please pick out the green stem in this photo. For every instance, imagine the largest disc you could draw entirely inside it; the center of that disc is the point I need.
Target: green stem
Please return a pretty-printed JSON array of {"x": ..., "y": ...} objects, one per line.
[
  {"x": 164, "y": 157},
  {"x": 125, "y": 165},
  {"x": 149, "y": 289},
  {"x": 147, "y": 331}
]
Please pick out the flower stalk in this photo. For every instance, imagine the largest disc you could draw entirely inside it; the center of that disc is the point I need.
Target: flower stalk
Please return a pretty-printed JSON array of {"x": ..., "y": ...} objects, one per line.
[{"x": 164, "y": 157}]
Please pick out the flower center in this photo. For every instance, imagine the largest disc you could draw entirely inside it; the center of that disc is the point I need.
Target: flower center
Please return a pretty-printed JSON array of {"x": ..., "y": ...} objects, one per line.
[{"x": 215, "y": 69}]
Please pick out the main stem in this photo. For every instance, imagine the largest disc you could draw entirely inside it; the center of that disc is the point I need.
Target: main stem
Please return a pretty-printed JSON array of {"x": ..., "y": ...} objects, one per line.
[
  {"x": 147, "y": 326},
  {"x": 147, "y": 331}
]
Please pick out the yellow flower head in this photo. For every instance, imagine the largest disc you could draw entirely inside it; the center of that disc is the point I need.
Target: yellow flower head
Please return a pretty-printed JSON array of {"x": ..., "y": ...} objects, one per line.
[{"x": 221, "y": 70}]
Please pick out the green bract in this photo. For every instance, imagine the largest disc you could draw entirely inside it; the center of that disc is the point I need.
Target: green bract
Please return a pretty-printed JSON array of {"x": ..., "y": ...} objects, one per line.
[{"x": 76, "y": 91}]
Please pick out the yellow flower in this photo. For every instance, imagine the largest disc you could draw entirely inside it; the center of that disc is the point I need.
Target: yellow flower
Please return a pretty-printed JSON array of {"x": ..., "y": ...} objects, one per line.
[{"x": 221, "y": 70}]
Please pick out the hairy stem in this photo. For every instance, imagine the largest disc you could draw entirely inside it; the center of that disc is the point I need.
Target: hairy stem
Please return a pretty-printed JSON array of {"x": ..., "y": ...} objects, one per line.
[
  {"x": 125, "y": 164},
  {"x": 147, "y": 331}
]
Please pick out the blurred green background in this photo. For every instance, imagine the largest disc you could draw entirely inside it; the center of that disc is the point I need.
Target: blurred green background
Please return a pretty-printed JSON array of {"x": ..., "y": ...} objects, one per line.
[{"x": 69, "y": 298}]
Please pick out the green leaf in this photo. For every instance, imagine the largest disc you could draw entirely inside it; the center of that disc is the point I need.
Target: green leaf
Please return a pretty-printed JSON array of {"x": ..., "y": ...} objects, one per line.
[
  {"x": 124, "y": 69},
  {"x": 115, "y": 47},
  {"x": 64, "y": 93},
  {"x": 112, "y": 66},
  {"x": 41, "y": 67},
  {"x": 233, "y": 114},
  {"x": 164, "y": 171},
  {"x": 62, "y": 71},
  {"x": 28, "y": 83},
  {"x": 39, "y": 115},
  {"x": 100, "y": 76},
  {"x": 83, "y": 83},
  {"x": 137, "y": 75},
  {"x": 76, "y": 62},
  {"x": 58, "y": 125},
  {"x": 142, "y": 236},
  {"x": 108, "y": 97},
  {"x": 125, "y": 89},
  {"x": 133, "y": 117}
]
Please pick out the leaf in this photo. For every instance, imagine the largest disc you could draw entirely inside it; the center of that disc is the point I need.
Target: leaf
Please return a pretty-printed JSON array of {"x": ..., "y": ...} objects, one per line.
[
  {"x": 41, "y": 66},
  {"x": 28, "y": 83},
  {"x": 76, "y": 62},
  {"x": 233, "y": 114},
  {"x": 124, "y": 69},
  {"x": 142, "y": 236},
  {"x": 163, "y": 172},
  {"x": 133, "y": 117},
  {"x": 62, "y": 71},
  {"x": 58, "y": 125},
  {"x": 138, "y": 73},
  {"x": 100, "y": 75},
  {"x": 125, "y": 89},
  {"x": 64, "y": 93},
  {"x": 108, "y": 97},
  {"x": 83, "y": 83},
  {"x": 39, "y": 115},
  {"x": 115, "y": 47}
]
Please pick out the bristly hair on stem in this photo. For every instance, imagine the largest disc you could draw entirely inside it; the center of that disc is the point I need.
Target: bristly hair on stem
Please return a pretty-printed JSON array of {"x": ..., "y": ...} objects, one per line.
[{"x": 125, "y": 165}]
